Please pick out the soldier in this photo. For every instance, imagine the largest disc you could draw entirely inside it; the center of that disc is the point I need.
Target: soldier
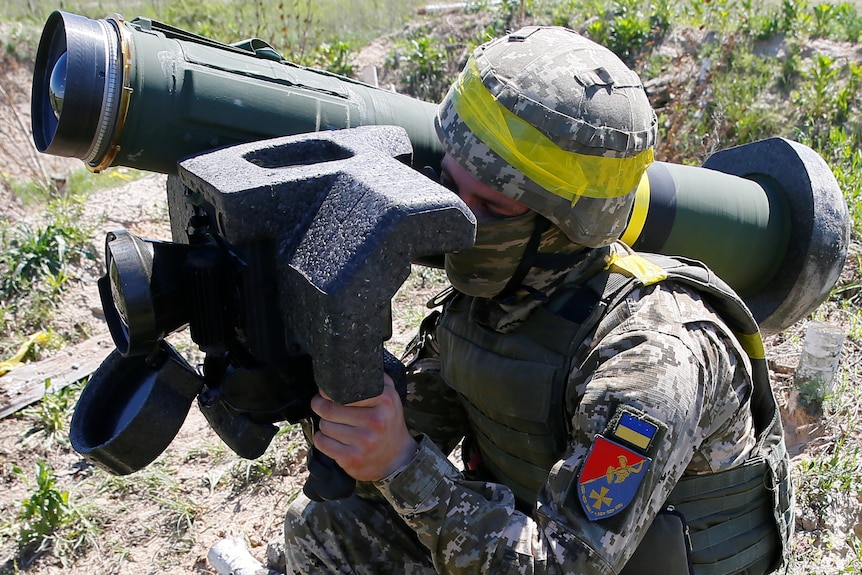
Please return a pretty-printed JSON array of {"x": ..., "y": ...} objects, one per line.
[{"x": 613, "y": 408}]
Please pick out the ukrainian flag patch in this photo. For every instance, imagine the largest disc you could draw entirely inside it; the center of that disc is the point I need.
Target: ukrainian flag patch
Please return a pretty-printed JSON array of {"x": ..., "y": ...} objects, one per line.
[{"x": 636, "y": 431}]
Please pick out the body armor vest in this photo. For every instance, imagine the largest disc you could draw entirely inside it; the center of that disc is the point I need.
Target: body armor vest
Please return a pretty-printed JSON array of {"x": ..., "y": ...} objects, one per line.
[{"x": 521, "y": 440}]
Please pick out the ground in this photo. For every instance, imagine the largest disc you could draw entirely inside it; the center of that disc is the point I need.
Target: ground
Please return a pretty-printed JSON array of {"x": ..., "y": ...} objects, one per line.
[{"x": 166, "y": 517}]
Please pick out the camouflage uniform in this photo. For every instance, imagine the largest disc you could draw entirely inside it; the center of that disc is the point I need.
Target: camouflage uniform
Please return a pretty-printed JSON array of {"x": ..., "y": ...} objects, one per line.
[
  {"x": 611, "y": 421},
  {"x": 661, "y": 351}
]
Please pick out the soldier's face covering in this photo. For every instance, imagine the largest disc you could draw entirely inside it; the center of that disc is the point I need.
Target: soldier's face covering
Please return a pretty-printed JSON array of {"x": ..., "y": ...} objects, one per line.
[
  {"x": 503, "y": 231},
  {"x": 485, "y": 269}
]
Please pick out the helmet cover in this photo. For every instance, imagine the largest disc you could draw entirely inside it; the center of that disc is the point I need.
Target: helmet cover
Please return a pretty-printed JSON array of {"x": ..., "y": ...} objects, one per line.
[{"x": 556, "y": 122}]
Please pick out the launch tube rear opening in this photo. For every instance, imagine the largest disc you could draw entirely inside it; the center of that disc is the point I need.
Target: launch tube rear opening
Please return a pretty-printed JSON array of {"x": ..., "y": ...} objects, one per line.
[{"x": 78, "y": 88}]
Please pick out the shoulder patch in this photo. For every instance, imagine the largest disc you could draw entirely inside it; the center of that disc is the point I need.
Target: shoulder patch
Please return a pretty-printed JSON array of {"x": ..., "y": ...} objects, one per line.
[
  {"x": 637, "y": 431},
  {"x": 609, "y": 478}
]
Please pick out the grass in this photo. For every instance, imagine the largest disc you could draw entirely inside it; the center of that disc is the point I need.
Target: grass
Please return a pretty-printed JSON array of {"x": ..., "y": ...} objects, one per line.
[
  {"x": 50, "y": 521},
  {"x": 35, "y": 265},
  {"x": 423, "y": 63},
  {"x": 39, "y": 259},
  {"x": 298, "y": 28},
  {"x": 828, "y": 483},
  {"x": 51, "y": 414}
]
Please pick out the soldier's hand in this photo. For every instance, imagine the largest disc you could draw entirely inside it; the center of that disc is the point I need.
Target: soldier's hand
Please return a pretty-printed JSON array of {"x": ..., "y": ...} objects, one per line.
[{"x": 367, "y": 438}]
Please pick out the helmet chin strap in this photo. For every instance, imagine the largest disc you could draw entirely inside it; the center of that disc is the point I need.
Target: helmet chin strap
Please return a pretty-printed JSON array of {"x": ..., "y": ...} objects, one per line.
[{"x": 533, "y": 259}]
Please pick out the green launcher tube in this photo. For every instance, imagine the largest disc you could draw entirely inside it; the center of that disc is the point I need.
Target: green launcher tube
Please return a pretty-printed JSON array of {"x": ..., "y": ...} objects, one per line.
[
  {"x": 768, "y": 217},
  {"x": 160, "y": 94}
]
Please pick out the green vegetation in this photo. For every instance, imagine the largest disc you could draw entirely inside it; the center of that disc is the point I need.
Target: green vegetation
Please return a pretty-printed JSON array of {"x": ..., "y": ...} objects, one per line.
[
  {"x": 423, "y": 65},
  {"x": 38, "y": 260},
  {"x": 51, "y": 414},
  {"x": 49, "y": 521},
  {"x": 829, "y": 480},
  {"x": 35, "y": 265},
  {"x": 297, "y": 27}
]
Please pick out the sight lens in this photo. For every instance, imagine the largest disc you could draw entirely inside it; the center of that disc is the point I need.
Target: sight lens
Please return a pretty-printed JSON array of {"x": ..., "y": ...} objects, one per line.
[
  {"x": 143, "y": 291},
  {"x": 117, "y": 292},
  {"x": 57, "y": 85},
  {"x": 77, "y": 87}
]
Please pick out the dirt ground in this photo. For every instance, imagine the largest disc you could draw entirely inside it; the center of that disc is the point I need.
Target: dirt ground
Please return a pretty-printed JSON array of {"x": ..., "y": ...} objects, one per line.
[{"x": 165, "y": 518}]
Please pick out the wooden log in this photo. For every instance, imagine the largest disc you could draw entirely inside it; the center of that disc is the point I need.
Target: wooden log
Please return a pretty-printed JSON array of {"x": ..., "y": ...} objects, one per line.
[{"x": 27, "y": 384}]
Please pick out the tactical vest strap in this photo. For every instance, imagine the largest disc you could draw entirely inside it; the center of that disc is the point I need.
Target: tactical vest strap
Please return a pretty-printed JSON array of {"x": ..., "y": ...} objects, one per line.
[
  {"x": 519, "y": 440},
  {"x": 776, "y": 498},
  {"x": 731, "y": 518},
  {"x": 738, "y": 518}
]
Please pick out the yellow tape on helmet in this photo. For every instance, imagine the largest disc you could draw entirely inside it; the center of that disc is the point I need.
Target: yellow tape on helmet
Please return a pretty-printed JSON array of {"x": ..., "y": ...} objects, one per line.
[{"x": 568, "y": 175}]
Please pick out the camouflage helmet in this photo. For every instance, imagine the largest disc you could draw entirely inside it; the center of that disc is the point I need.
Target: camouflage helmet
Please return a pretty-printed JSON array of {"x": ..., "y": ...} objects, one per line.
[{"x": 556, "y": 122}]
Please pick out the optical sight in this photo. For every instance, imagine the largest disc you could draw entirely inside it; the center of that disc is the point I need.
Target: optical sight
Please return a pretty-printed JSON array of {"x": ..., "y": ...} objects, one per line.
[{"x": 285, "y": 256}]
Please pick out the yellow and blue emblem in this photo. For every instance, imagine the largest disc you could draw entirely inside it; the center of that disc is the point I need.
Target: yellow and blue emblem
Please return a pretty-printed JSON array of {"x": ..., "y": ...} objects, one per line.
[
  {"x": 636, "y": 431},
  {"x": 613, "y": 472}
]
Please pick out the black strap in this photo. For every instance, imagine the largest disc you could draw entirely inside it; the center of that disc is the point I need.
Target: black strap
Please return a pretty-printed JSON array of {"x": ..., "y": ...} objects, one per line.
[{"x": 514, "y": 284}]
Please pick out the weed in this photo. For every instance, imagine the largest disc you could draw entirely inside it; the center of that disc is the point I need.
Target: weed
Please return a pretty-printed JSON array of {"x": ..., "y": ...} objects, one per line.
[
  {"x": 36, "y": 264},
  {"x": 212, "y": 478},
  {"x": 246, "y": 472},
  {"x": 33, "y": 252},
  {"x": 48, "y": 520},
  {"x": 843, "y": 152},
  {"x": 52, "y": 412},
  {"x": 181, "y": 512},
  {"x": 155, "y": 483},
  {"x": 334, "y": 57},
  {"x": 424, "y": 65},
  {"x": 45, "y": 511},
  {"x": 795, "y": 17},
  {"x": 147, "y": 482},
  {"x": 838, "y": 470},
  {"x": 746, "y": 78},
  {"x": 624, "y": 29}
]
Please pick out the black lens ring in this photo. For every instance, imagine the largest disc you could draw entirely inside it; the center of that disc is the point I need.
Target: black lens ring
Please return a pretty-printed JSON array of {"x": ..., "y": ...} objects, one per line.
[
  {"x": 87, "y": 44},
  {"x": 138, "y": 335}
]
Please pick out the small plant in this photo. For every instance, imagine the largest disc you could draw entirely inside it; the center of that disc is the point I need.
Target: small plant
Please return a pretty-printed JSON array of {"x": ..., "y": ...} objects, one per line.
[
  {"x": 425, "y": 67},
  {"x": 795, "y": 16},
  {"x": 156, "y": 483},
  {"x": 248, "y": 472},
  {"x": 334, "y": 57},
  {"x": 181, "y": 513},
  {"x": 49, "y": 520},
  {"x": 34, "y": 252},
  {"x": 625, "y": 29},
  {"x": 45, "y": 511},
  {"x": 36, "y": 264},
  {"x": 827, "y": 475},
  {"x": 52, "y": 412}
]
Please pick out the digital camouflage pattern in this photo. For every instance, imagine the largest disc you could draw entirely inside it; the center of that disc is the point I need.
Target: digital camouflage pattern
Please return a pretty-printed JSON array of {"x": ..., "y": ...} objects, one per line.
[
  {"x": 579, "y": 95},
  {"x": 661, "y": 352},
  {"x": 485, "y": 268}
]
